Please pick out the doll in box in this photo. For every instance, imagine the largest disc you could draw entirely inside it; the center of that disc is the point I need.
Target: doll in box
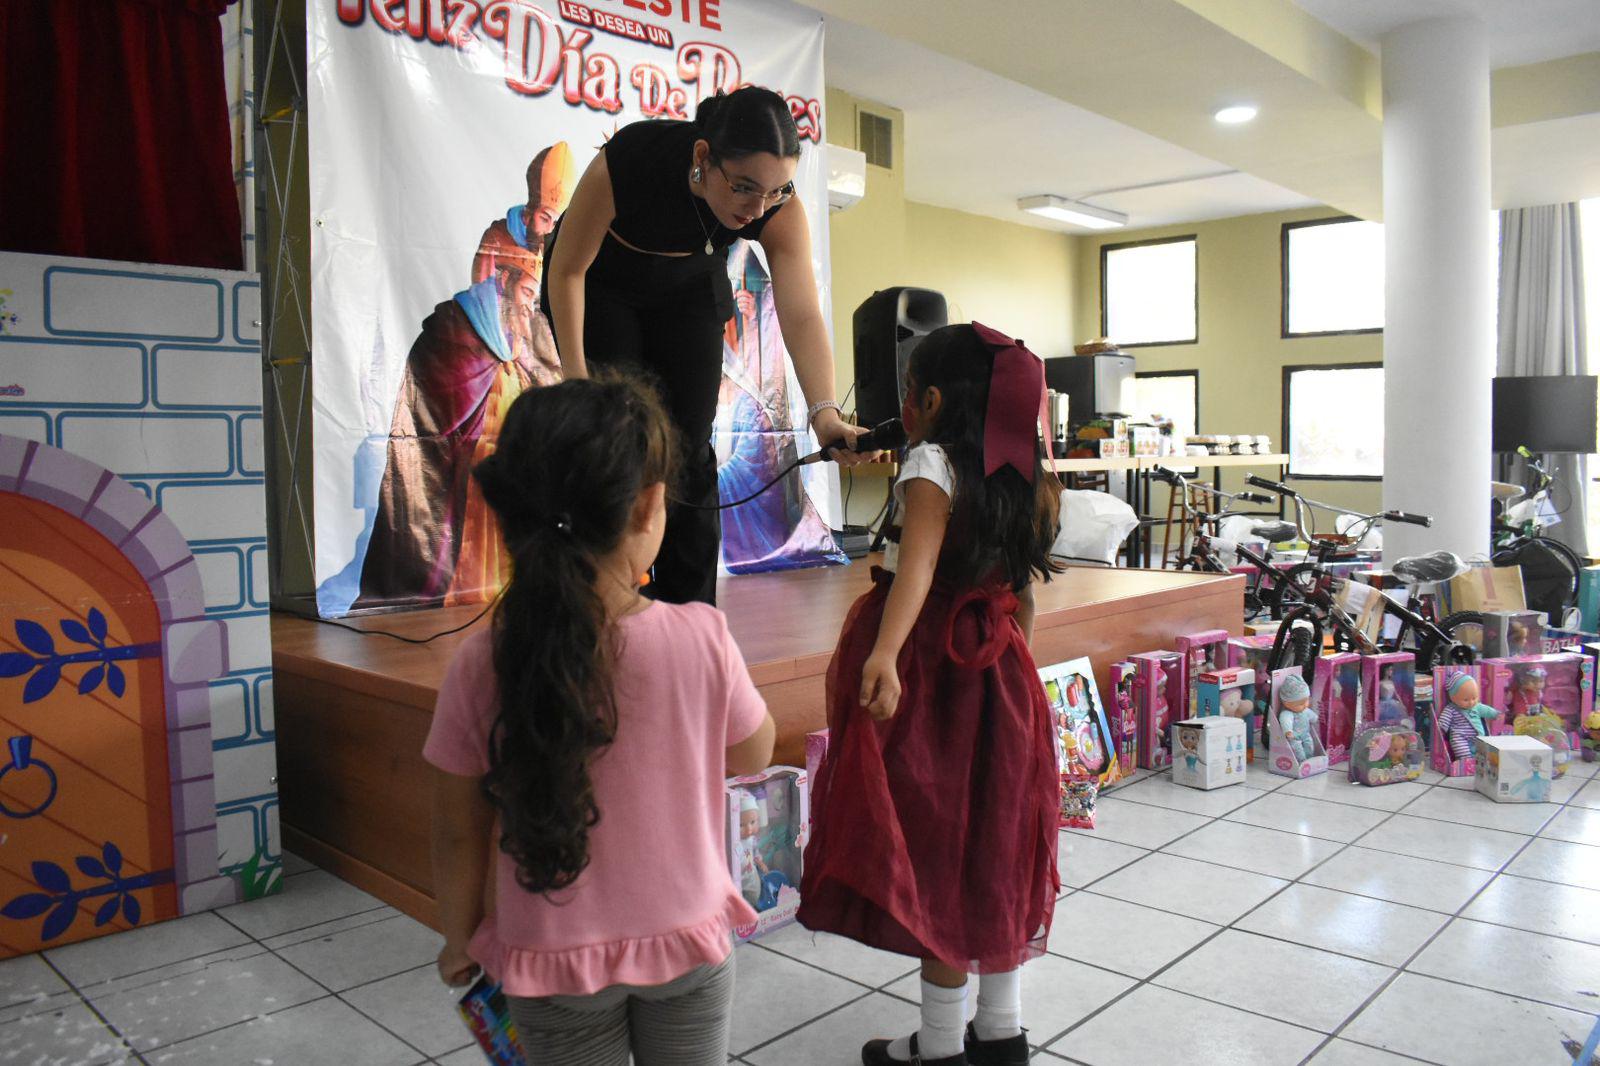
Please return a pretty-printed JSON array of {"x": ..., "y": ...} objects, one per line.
[
  {"x": 1296, "y": 718},
  {"x": 1159, "y": 683},
  {"x": 1125, "y": 727},
  {"x": 1527, "y": 691},
  {"x": 1202, "y": 653},
  {"x": 1465, "y": 717},
  {"x": 1591, "y": 737},
  {"x": 747, "y": 852}
]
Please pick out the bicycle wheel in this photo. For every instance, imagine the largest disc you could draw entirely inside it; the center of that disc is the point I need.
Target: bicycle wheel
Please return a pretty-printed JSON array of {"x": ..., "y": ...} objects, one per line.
[
  {"x": 1290, "y": 589},
  {"x": 1462, "y": 643},
  {"x": 1549, "y": 574},
  {"x": 1298, "y": 642}
]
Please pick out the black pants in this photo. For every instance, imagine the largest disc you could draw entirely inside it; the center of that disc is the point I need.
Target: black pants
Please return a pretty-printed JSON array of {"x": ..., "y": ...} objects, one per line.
[{"x": 672, "y": 338}]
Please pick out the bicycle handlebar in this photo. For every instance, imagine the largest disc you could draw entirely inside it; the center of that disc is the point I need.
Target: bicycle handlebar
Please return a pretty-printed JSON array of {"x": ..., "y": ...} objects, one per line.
[
  {"x": 1271, "y": 486},
  {"x": 1403, "y": 516},
  {"x": 1252, "y": 497}
]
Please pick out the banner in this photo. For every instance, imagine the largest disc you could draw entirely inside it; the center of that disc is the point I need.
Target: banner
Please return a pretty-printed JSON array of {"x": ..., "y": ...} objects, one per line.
[{"x": 446, "y": 138}]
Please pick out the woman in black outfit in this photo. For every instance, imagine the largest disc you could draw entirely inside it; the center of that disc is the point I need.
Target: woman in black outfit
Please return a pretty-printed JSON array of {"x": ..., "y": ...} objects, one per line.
[{"x": 636, "y": 277}]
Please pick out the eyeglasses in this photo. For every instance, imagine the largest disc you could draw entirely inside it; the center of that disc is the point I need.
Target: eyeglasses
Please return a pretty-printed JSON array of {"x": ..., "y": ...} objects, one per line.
[{"x": 745, "y": 190}]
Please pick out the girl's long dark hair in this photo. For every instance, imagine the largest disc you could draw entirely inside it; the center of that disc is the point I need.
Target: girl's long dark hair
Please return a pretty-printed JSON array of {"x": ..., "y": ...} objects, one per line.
[
  {"x": 746, "y": 121},
  {"x": 1001, "y": 528},
  {"x": 571, "y": 461}
]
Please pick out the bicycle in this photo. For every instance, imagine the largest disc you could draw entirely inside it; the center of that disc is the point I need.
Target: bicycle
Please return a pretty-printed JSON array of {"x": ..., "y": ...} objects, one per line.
[
  {"x": 1323, "y": 613},
  {"x": 1549, "y": 568},
  {"x": 1207, "y": 550}
]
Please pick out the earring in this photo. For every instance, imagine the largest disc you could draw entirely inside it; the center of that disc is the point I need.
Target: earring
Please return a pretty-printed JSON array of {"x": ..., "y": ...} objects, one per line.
[{"x": 694, "y": 175}]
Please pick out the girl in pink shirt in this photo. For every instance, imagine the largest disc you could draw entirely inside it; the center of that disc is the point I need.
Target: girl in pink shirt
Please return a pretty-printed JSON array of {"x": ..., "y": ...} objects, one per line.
[{"x": 583, "y": 741}]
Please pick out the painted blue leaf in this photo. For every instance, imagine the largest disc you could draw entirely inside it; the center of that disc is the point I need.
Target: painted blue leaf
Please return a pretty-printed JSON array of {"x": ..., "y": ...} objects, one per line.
[
  {"x": 114, "y": 679},
  {"x": 91, "y": 866},
  {"x": 112, "y": 856},
  {"x": 97, "y": 624},
  {"x": 50, "y": 877},
  {"x": 41, "y": 684},
  {"x": 130, "y": 910},
  {"x": 73, "y": 630},
  {"x": 107, "y": 911},
  {"x": 35, "y": 637},
  {"x": 30, "y": 905},
  {"x": 60, "y": 920},
  {"x": 91, "y": 680},
  {"x": 16, "y": 663}
]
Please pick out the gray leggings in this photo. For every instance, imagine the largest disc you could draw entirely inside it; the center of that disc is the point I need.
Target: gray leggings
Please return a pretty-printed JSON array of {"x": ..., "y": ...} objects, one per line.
[{"x": 681, "y": 1023}]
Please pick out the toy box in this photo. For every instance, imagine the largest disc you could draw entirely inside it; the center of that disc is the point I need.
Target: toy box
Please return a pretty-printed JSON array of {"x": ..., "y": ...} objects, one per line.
[
  {"x": 1458, "y": 718},
  {"x": 1564, "y": 640},
  {"x": 1201, "y": 652},
  {"x": 483, "y": 1008},
  {"x": 1388, "y": 689},
  {"x": 1123, "y": 716},
  {"x": 1512, "y": 634},
  {"x": 1512, "y": 769},
  {"x": 816, "y": 749},
  {"x": 1208, "y": 752},
  {"x": 1157, "y": 689},
  {"x": 1229, "y": 693},
  {"x": 1336, "y": 694},
  {"x": 1385, "y": 755},
  {"x": 1077, "y": 711},
  {"x": 1293, "y": 752},
  {"x": 769, "y": 816},
  {"x": 1255, "y": 653},
  {"x": 1589, "y": 598},
  {"x": 1550, "y": 697}
]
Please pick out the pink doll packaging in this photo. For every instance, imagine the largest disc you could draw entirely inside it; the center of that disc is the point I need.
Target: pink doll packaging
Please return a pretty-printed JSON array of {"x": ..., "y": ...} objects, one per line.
[
  {"x": 1549, "y": 698},
  {"x": 1202, "y": 653},
  {"x": 1468, "y": 702},
  {"x": 769, "y": 816},
  {"x": 1255, "y": 653},
  {"x": 1512, "y": 634},
  {"x": 1336, "y": 694},
  {"x": 1294, "y": 748},
  {"x": 1388, "y": 689},
  {"x": 1158, "y": 686},
  {"x": 1123, "y": 716}
]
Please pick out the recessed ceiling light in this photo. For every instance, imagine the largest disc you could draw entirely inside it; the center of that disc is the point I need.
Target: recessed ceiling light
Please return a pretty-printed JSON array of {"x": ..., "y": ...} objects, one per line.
[
  {"x": 1233, "y": 116},
  {"x": 1078, "y": 214}
]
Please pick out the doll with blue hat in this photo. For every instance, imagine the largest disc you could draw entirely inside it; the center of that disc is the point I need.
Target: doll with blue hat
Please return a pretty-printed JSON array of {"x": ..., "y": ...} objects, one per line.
[
  {"x": 1296, "y": 716},
  {"x": 1465, "y": 717}
]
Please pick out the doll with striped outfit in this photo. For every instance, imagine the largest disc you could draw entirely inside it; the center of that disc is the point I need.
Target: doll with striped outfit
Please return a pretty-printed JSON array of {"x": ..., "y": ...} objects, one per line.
[{"x": 1464, "y": 718}]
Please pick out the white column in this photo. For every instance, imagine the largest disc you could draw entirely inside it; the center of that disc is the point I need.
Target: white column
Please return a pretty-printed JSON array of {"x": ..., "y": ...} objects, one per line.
[{"x": 1438, "y": 342}]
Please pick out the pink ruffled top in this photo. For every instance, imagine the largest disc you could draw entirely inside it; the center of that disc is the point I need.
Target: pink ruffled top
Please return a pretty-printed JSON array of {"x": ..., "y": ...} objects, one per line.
[{"x": 657, "y": 898}]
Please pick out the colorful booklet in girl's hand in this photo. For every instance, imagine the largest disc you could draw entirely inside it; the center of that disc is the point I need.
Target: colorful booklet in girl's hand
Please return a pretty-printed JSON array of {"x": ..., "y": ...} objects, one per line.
[{"x": 483, "y": 1008}]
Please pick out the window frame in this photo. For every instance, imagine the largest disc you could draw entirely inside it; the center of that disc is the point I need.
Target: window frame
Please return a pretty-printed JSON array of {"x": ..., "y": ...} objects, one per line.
[
  {"x": 1283, "y": 282},
  {"x": 1106, "y": 249},
  {"x": 1194, "y": 373},
  {"x": 1288, "y": 441}
]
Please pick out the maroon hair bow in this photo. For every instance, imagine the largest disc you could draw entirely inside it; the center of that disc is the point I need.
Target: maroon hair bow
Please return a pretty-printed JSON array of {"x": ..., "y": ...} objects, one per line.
[{"x": 1016, "y": 405}]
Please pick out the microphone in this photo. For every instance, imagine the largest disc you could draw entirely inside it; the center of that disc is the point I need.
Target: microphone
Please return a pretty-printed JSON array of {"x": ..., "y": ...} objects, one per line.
[{"x": 885, "y": 436}]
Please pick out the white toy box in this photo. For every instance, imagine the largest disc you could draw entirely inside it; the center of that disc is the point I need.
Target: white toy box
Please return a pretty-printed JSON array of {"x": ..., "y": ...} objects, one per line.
[
  {"x": 1209, "y": 752},
  {"x": 1514, "y": 769}
]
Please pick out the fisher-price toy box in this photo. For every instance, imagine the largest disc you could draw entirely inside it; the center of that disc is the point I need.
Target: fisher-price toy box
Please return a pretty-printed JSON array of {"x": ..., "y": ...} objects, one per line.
[
  {"x": 769, "y": 821},
  {"x": 1336, "y": 695},
  {"x": 1208, "y": 752},
  {"x": 1158, "y": 688},
  {"x": 1230, "y": 693},
  {"x": 1513, "y": 769}
]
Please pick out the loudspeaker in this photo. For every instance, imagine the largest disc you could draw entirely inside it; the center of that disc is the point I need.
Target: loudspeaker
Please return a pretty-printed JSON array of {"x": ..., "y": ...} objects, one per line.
[{"x": 887, "y": 326}]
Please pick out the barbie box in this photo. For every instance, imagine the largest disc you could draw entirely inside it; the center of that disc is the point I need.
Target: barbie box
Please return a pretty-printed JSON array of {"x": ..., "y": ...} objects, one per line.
[{"x": 768, "y": 817}]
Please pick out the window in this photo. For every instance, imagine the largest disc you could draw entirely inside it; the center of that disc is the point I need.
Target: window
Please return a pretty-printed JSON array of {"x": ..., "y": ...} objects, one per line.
[
  {"x": 1332, "y": 277},
  {"x": 1148, "y": 294},
  {"x": 1333, "y": 420},
  {"x": 1169, "y": 394}
]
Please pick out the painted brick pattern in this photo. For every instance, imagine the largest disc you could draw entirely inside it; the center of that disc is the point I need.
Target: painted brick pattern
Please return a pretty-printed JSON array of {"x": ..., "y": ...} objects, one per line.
[{"x": 154, "y": 374}]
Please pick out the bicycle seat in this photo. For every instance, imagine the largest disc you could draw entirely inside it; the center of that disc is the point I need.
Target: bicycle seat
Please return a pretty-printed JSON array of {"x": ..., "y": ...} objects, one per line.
[
  {"x": 1275, "y": 532},
  {"x": 1426, "y": 569}
]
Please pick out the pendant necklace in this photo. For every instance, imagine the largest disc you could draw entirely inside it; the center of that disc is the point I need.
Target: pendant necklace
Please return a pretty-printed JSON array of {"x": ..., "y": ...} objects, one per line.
[{"x": 694, "y": 202}]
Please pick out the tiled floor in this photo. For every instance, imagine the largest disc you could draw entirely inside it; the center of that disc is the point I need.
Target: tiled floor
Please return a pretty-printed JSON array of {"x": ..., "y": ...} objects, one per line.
[{"x": 1275, "y": 923}]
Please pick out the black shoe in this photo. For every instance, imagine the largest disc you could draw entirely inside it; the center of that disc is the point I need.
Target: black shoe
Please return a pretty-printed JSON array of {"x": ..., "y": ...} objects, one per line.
[
  {"x": 876, "y": 1053},
  {"x": 1012, "y": 1051}
]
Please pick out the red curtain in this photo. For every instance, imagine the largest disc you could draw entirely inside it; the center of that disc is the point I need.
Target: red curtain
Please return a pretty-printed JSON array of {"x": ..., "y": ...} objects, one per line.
[{"x": 114, "y": 136}]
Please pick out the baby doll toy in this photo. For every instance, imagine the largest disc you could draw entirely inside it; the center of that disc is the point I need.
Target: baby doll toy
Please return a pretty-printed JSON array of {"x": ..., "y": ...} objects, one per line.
[
  {"x": 749, "y": 849},
  {"x": 1462, "y": 720},
  {"x": 1297, "y": 718},
  {"x": 1591, "y": 738},
  {"x": 1528, "y": 697}
]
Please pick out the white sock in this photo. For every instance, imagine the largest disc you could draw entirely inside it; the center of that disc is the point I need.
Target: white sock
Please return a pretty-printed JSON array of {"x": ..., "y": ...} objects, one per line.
[
  {"x": 999, "y": 1006},
  {"x": 944, "y": 1019}
]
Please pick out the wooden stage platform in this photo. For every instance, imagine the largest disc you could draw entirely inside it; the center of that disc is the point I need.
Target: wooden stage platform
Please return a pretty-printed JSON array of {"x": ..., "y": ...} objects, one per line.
[{"x": 353, "y": 709}]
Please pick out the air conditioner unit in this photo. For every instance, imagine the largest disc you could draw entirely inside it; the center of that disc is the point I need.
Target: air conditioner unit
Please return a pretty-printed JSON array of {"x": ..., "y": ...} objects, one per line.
[{"x": 847, "y": 177}]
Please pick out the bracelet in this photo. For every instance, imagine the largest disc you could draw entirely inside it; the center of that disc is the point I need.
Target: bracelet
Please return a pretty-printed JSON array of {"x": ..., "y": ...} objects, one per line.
[{"x": 820, "y": 406}]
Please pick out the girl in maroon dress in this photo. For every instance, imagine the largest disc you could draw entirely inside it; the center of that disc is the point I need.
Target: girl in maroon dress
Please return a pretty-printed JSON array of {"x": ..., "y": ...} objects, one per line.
[{"x": 935, "y": 808}]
